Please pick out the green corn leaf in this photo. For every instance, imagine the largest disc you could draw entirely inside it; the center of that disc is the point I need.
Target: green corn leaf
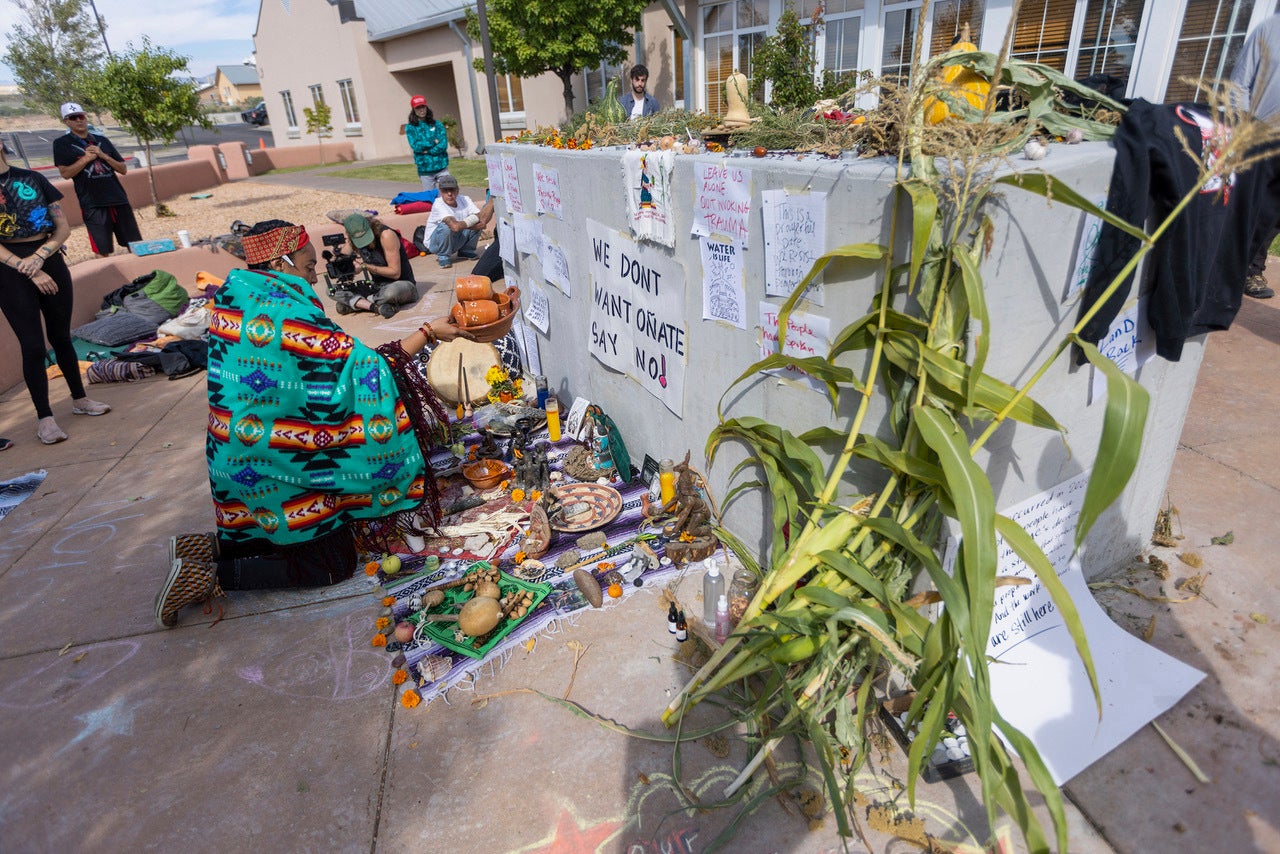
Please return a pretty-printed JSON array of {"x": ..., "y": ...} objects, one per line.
[
  {"x": 924, "y": 213},
  {"x": 816, "y": 366},
  {"x": 908, "y": 465},
  {"x": 866, "y": 251},
  {"x": 975, "y": 292},
  {"x": 862, "y": 333},
  {"x": 1015, "y": 801},
  {"x": 1044, "y": 184},
  {"x": 1025, "y": 547},
  {"x": 822, "y": 436},
  {"x": 1121, "y": 440}
]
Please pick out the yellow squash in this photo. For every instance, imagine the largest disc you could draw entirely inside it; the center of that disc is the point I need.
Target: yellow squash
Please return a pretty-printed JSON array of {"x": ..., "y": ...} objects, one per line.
[{"x": 958, "y": 82}]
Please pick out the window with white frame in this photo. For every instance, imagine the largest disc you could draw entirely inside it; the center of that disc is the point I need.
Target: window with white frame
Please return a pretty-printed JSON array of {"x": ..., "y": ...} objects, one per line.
[
  {"x": 1110, "y": 38},
  {"x": 317, "y": 94},
  {"x": 898, "y": 25},
  {"x": 837, "y": 45},
  {"x": 510, "y": 101},
  {"x": 349, "y": 107},
  {"x": 677, "y": 69},
  {"x": 1213, "y": 31},
  {"x": 950, "y": 17},
  {"x": 731, "y": 32},
  {"x": 291, "y": 118},
  {"x": 1042, "y": 32}
]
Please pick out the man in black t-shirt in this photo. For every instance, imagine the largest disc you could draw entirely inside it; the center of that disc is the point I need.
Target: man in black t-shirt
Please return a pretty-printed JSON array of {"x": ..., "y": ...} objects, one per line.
[{"x": 91, "y": 162}]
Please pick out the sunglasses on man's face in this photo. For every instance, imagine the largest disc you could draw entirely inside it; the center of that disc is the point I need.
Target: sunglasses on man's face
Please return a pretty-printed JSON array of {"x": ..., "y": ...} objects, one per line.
[{"x": 77, "y": 117}]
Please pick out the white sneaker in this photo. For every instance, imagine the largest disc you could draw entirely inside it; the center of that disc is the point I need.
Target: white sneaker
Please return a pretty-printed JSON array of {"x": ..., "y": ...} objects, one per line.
[
  {"x": 49, "y": 432},
  {"x": 85, "y": 406}
]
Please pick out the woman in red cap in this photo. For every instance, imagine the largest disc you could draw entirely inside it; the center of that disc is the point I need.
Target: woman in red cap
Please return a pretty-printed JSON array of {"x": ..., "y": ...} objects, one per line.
[{"x": 429, "y": 142}]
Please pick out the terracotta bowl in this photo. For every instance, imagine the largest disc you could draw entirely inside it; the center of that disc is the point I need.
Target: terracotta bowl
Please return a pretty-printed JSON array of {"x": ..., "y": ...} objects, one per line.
[
  {"x": 491, "y": 331},
  {"x": 476, "y": 312},
  {"x": 503, "y": 302},
  {"x": 472, "y": 288},
  {"x": 486, "y": 474}
]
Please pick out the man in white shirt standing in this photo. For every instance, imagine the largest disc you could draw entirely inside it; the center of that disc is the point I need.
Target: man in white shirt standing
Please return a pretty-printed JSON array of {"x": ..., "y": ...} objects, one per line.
[
  {"x": 454, "y": 223},
  {"x": 638, "y": 102}
]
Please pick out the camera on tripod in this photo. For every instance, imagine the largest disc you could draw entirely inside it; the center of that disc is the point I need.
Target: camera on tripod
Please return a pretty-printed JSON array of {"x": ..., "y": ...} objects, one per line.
[{"x": 340, "y": 267}]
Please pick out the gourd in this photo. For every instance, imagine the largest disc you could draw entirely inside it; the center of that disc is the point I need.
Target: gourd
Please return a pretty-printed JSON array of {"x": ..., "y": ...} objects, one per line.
[{"x": 959, "y": 82}]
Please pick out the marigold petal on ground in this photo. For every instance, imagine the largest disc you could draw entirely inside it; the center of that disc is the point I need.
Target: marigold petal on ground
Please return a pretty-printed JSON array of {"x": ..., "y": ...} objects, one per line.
[
  {"x": 399, "y": 677},
  {"x": 410, "y": 698},
  {"x": 379, "y": 640}
]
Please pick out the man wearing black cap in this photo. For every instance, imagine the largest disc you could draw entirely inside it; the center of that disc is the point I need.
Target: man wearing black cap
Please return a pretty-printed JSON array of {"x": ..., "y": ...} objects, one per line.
[
  {"x": 91, "y": 162},
  {"x": 454, "y": 224}
]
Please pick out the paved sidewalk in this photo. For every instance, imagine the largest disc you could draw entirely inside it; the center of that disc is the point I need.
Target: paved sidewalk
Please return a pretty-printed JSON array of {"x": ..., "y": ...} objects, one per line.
[{"x": 279, "y": 727}]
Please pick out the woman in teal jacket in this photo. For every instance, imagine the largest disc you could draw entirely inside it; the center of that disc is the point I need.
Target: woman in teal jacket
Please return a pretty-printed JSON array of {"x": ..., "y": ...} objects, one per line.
[{"x": 429, "y": 142}]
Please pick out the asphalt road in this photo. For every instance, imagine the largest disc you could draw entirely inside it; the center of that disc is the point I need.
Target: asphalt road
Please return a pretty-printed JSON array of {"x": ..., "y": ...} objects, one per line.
[{"x": 38, "y": 145}]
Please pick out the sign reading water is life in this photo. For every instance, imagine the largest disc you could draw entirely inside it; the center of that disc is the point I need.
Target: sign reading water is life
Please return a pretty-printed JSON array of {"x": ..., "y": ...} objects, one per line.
[{"x": 637, "y": 313}]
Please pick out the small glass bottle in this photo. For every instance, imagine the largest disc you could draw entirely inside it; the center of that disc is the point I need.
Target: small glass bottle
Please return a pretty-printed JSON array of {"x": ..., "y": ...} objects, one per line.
[
  {"x": 722, "y": 619},
  {"x": 712, "y": 590},
  {"x": 540, "y": 383},
  {"x": 672, "y": 616},
  {"x": 682, "y": 628},
  {"x": 742, "y": 589},
  {"x": 666, "y": 481}
]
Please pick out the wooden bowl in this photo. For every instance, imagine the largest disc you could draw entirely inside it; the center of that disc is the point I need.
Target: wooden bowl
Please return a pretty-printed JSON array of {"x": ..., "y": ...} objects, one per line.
[
  {"x": 490, "y": 332},
  {"x": 472, "y": 288},
  {"x": 486, "y": 474}
]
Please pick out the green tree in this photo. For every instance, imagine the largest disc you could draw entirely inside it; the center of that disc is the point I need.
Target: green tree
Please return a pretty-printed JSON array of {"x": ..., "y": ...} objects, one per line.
[
  {"x": 529, "y": 37},
  {"x": 143, "y": 91},
  {"x": 786, "y": 59},
  {"x": 320, "y": 122},
  {"x": 53, "y": 43}
]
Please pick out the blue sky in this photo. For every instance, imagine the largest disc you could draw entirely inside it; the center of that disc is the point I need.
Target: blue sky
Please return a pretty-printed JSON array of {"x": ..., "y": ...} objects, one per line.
[{"x": 210, "y": 32}]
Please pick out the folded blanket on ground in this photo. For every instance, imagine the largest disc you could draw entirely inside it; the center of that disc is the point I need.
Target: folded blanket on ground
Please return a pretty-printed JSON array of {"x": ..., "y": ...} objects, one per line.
[
  {"x": 413, "y": 208},
  {"x": 428, "y": 196},
  {"x": 116, "y": 371},
  {"x": 115, "y": 329}
]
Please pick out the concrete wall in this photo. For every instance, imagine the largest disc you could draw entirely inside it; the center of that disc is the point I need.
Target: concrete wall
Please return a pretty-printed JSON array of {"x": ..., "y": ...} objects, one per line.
[{"x": 1026, "y": 278}]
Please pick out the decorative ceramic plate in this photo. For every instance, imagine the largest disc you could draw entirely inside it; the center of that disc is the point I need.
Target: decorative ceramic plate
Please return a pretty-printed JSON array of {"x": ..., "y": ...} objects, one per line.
[{"x": 603, "y": 503}]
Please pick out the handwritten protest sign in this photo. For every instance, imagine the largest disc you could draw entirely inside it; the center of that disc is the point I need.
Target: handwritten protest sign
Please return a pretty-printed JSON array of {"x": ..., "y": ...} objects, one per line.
[
  {"x": 1130, "y": 342},
  {"x": 795, "y": 232},
  {"x": 807, "y": 335},
  {"x": 528, "y": 235},
  {"x": 536, "y": 310},
  {"x": 722, "y": 201},
  {"x": 637, "y": 313},
  {"x": 511, "y": 185},
  {"x": 555, "y": 266},
  {"x": 493, "y": 166},
  {"x": 506, "y": 242},
  {"x": 1037, "y": 680},
  {"x": 647, "y": 175},
  {"x": 723, "y": 295},
  {"x": 1089, "y": 234},
  {"x": 546, "y": 189}
]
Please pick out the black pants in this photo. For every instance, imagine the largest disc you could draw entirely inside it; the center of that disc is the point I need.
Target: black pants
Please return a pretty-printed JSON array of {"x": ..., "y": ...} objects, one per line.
[
  {"x": 1259, "y": 261},
  {"x": 262, "y": 565},
  {"x": 23, "y": 304},
  {"x": 490, "y": 263}
]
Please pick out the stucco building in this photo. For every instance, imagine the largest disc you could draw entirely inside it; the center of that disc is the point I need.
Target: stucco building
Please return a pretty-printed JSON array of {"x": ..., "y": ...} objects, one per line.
[
  {"x": 235, "y": 84},
  {"x": 365, "y": 58}
]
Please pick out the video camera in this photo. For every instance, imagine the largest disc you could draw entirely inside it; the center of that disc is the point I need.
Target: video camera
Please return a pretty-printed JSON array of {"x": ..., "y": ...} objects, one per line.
[{"x": 340, "y": 267}]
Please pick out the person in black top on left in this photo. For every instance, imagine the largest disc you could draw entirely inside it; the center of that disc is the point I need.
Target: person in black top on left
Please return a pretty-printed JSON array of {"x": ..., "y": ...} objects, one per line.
[
  {"x": 380, "y": 251},
  {"x": 91, "y": 162},
  {"x": 35, "y": 285}
]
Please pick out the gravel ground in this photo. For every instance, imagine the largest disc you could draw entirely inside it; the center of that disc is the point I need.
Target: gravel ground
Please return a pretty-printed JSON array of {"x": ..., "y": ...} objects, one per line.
[{"x": 243, "y": 200}]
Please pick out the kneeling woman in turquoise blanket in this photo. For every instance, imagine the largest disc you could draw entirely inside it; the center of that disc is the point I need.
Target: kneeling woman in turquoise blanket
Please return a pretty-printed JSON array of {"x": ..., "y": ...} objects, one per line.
[{"x": 316, "y": 443}]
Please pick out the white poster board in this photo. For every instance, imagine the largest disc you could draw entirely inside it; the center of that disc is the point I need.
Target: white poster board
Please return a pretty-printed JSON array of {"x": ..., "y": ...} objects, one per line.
[
  {"x": 1130, "y": 343},
  {"x": 1089, "y": 235},
  {"x": 723, "y": 295},
  {"x": 1037, "y": 680},
  {"x": 511, "y": 185},
  {"x": 555, "y": 266},
  {"x": 795, "y": 235},
  {"x": 528, "y": 235},
  {"x": 650, "y": 209},
  {"x": 637, "y": 313},
  {"x": 537, "y": 311},
  {"x": 546, "y": 190},
  {"x": 722, "y": 201},
  {"x": 807, "y": 335},
  {"x": 506, "y": 242},
  {"x": 493, "y": 167}
]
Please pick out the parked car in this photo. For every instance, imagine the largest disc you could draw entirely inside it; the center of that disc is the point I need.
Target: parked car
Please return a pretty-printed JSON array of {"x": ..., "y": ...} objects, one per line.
[{"x": 256, "y": 115}]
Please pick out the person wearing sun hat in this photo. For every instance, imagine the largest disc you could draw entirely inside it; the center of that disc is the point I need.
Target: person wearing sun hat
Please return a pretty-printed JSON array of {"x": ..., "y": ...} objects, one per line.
[
  {"x": 428, "y": 141},
  {"x": 92, "y": 164},
  {"x": 380, "y": 251},
  {"x": 454, "y": 224}
]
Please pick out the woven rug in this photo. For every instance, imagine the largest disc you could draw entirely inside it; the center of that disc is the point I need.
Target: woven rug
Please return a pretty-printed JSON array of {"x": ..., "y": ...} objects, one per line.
[
  {"x": 19, "y": 489},
  {"x": 436, "y": 669}
]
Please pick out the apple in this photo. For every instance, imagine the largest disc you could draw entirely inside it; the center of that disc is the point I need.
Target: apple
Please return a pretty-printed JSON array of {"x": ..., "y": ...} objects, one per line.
[{"x": 391, "y": 564}]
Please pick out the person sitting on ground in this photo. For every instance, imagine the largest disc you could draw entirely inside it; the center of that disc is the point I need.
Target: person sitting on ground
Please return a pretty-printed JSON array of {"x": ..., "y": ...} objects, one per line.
[
  {"x": 35, "y": 286},
  {"x": 317, "y": 444},
  {"x": 454, "y": 224},
  {"x": 637, "y": 102},
  {"x": 378, "y": 249}
]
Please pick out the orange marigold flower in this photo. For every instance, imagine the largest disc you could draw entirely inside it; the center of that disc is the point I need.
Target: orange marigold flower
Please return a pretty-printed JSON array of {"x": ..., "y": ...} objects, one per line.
[
  {"x": 517, "y": 495},
  {"x": 535, "y": 495},
  {"x": 382, "y": 623},
  {"x": 379, "y": 640},
  {"x": 504, "y": 484},
  {"x": 410, "y": 698},
  {"x": 715, "y": 146},
  {"x": 399, "y": 677},
  {"x": 686, "y": 537},
  {"x": 388, "y": 601},
  {"x": 371, "y": 568},
  {"x": 586, "y": 145},
  {"x": 605, "y": 565},
  {"x": 519, "y": 558}
]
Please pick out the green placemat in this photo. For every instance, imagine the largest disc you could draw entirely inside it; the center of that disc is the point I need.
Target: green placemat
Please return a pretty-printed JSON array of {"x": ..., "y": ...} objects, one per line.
[{"x": 443, "y": 633}]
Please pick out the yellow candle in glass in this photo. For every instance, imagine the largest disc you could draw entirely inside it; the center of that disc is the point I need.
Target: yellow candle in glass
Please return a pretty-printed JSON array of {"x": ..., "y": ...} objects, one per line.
[
  {"x": 553, "y": 419},
  {"x": 667, "y": 481}
]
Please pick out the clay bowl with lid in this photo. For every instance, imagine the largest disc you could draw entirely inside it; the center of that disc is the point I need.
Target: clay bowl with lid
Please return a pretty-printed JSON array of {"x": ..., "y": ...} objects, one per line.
[
  {"x": 492, "y": 330},
  {"x": 472, "y": 288}
]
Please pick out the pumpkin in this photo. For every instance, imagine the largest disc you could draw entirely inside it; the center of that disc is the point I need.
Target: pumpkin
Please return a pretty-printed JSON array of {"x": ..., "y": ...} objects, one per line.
[{"x": 959, "y": 82}]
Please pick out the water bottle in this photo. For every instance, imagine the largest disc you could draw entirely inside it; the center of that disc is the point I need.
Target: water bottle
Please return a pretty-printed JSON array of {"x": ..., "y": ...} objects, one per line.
[
  {"x": 712, "y": 590},
  {"x": 722, "y": 619}
]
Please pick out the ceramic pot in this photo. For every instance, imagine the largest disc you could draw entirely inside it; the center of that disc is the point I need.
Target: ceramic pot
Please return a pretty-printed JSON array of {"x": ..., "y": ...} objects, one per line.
[
  {"x": 473, "y": 288},
  {"x": 478, "y": 312},
  {"x": 503, "y": 302}
]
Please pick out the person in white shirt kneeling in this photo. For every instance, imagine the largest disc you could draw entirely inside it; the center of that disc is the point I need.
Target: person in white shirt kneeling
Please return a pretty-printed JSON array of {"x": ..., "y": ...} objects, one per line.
[{"x": 454, "y": 224}]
